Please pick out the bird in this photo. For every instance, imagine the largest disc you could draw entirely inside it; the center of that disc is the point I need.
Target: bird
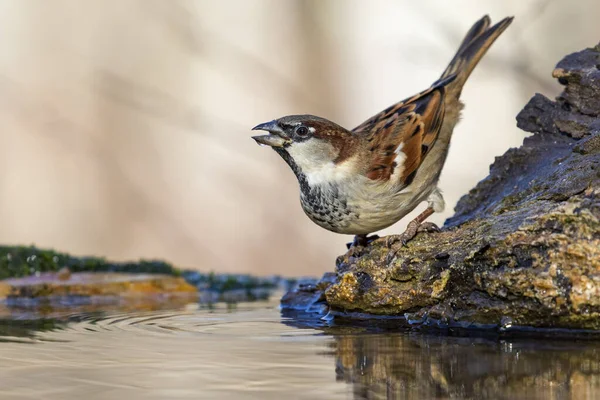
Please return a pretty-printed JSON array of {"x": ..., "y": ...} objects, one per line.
[{"x": 360, "y": 181}]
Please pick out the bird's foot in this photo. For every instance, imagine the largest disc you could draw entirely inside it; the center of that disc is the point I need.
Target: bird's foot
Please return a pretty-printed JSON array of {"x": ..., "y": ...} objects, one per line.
[
  {"x": 361, "y": 240},
  {"x": 416, "y": 225},
  {"x": 411, "y": 231}
]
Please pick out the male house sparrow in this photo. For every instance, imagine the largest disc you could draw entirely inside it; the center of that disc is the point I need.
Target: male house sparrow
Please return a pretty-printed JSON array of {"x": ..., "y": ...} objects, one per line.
[{"x": 361, "y": 181}]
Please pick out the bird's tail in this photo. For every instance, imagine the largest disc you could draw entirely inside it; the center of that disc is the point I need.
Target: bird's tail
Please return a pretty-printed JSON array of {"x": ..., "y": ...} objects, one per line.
[{"x": 475, "y": 44}]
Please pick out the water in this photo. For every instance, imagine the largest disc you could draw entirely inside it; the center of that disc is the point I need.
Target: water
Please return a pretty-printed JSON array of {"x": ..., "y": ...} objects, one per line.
[{"x": 253, "y": 352}]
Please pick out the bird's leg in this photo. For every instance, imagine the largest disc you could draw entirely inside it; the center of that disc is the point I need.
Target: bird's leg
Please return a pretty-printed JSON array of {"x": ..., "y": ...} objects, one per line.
[
  {"x": 414, "y": 226},
  {"x": 361, "y": 240}
]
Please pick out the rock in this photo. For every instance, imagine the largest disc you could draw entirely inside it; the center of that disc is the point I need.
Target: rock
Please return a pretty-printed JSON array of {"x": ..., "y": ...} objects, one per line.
[
  {"x": 307, "y": 294},
  {"x": 523, "y": 247},
  {"x": 64, "y": 274},
  {"x": 580, "y": 73},
  {"x": 87, "y": 284},
  {"x": 35, "y": 264},
  {"x": 5, "y": 290}
]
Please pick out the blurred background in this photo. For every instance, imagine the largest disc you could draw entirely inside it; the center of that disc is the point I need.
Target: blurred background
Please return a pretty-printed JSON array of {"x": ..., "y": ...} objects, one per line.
[{"x": 125, "y": 124}]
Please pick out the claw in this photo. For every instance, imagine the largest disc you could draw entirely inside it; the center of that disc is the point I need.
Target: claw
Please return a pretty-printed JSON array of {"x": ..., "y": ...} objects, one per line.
[
  {"x": 428, "y": 227},
  {"x": 391, "y": 239}
]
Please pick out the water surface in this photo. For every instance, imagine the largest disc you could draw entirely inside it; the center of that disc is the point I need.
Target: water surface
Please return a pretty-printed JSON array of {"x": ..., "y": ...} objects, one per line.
[{"x": 251, "y": 351}]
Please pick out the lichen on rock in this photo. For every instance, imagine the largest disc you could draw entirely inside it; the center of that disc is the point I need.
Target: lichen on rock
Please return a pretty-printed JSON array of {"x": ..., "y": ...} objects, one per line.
[{"x": 523, "y": 247}]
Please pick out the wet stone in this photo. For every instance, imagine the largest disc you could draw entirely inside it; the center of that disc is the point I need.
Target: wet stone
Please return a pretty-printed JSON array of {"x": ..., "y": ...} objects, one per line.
[{"x": 307, "y": 295}]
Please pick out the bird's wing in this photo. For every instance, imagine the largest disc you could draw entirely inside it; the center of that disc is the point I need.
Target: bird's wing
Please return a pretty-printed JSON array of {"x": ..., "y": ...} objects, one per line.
[{"x": 399, "y": 138}]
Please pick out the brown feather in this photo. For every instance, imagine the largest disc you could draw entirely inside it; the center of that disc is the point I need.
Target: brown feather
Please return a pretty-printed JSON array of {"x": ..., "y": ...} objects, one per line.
[{"x": 413, "y": 124}]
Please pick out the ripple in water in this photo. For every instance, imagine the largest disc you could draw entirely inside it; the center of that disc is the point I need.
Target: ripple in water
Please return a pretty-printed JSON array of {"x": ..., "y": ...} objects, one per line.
[{"x": 251, "y": 351}]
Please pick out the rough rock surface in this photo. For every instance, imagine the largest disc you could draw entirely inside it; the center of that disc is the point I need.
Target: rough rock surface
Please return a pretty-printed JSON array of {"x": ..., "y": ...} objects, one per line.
[{"x": 523, "y": 248}]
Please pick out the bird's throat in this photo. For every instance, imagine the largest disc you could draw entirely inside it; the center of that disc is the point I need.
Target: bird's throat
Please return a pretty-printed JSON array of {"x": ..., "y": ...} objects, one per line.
[{"x": 304, "y": 186}]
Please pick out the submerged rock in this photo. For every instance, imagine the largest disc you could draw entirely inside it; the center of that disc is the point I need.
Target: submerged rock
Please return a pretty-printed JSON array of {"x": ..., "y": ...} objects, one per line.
[{"x": 523, "y": 248}]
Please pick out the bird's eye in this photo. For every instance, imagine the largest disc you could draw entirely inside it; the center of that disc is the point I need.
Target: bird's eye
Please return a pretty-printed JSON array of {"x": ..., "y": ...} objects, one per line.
[{"x": 302, "y": 131}]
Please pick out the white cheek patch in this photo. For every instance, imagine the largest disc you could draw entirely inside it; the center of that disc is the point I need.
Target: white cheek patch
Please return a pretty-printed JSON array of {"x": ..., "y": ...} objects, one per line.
[
  {"x": 331, "y": 172},
  {"x": 326, "y": 173},
  {"x": 316, "y": 163}
]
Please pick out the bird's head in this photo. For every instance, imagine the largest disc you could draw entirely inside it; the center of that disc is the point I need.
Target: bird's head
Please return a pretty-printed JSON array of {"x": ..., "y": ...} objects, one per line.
[{"x": 312, "y": 146}]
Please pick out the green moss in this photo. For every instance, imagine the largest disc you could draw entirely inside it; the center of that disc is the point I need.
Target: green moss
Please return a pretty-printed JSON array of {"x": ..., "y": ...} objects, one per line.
[{"x": 19, "y": 261}]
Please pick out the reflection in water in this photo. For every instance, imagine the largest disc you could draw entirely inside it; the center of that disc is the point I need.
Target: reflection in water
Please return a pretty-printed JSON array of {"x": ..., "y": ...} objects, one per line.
[
  {"x": 19, "y": 330},
  {"x": 69, "y": 308},
  {"x": 408, "y": 366},
  {"x": 382, "y": 364},
  {"x": 251, "y": 351}
]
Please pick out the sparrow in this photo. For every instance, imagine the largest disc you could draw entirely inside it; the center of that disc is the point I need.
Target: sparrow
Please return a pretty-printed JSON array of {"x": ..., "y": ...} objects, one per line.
[{"x": 363, "y": 180}]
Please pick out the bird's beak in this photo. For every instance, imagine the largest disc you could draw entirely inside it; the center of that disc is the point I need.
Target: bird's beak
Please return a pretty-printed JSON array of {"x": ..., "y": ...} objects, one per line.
[{"x": 276, "y": 137}]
